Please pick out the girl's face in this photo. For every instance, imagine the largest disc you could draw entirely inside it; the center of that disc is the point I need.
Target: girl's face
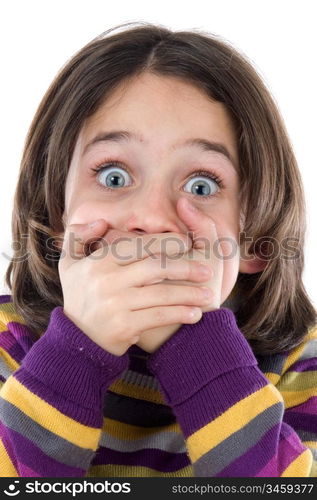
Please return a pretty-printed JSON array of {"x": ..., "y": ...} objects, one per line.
[{"x": 168, "y": 140}]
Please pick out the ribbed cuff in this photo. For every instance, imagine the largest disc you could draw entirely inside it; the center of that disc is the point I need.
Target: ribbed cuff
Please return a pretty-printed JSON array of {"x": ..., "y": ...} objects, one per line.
[
  {"x": 199, "y": 353},
  {"x": 69, "y": 363}
]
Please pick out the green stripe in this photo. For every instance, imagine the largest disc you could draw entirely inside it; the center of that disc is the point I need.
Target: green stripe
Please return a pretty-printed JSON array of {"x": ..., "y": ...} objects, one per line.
[{"x": 297, "y": 381}]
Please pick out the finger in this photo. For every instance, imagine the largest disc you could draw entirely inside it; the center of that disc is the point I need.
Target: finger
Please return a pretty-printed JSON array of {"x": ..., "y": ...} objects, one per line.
[
  {"x": 206, "y": 244},
  {"x": 202, "y": 228},
  {"x": 127, "y": 247},
  {"x": 155, "y": 317},
  {"x": 142, "y": 273},
  {"x": 76, "y": 237},
  {"x": 160, "y": 295}
]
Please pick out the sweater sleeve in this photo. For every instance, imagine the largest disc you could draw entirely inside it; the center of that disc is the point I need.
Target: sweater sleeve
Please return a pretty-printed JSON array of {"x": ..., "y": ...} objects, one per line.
[
  {"x": 236, "y": 423},
  {"x": 51, "y": 400}
]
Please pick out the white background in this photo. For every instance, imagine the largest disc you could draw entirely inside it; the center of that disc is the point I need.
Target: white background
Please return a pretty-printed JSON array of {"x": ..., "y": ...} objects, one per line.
[{"x": 279, "y": 37}]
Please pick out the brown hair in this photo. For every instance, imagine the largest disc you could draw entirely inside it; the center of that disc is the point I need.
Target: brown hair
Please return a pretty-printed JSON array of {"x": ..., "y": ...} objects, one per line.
[{"x": 275, "y": 312}]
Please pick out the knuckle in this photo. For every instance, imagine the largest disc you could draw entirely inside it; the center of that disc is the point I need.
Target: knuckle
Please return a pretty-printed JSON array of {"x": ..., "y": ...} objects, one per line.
[
  {"x": 199, "y": 295},
  {"x": 159, "y": 315},
  {"x": 165, "y": 294}
]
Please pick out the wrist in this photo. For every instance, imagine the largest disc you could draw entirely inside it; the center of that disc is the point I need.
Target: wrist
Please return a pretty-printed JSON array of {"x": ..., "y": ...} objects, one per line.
[
  {"x": 199, "y": 353},
  {"x": 67, "y": 368}
]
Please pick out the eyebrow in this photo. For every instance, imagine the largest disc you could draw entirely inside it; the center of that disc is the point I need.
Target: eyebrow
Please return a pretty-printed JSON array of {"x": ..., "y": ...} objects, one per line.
[{"x": 125, "y": 136}]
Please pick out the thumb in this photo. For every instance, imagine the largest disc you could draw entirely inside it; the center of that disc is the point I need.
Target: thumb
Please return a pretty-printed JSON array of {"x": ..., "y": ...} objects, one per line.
[
  {"x": 202, "y": 228},
  {"x": 77, "y": 237}
]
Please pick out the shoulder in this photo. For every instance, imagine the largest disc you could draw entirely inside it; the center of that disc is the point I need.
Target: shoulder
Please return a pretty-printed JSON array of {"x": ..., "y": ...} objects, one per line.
[
  {"x": 305, "y": 354},
  {"x": 16, "y": 338},
  {"x": 298, "y": 380},
  {"x": 8, "y": 313},
  {"x": 300, "y": 359}
]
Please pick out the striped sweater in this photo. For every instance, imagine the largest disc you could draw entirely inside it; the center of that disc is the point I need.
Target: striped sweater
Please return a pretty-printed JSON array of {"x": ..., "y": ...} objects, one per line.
[{"x": 201, "y": 405}]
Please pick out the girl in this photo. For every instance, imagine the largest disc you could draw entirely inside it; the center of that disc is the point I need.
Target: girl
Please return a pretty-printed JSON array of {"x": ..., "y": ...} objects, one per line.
[{"x": 158, "y": 324}]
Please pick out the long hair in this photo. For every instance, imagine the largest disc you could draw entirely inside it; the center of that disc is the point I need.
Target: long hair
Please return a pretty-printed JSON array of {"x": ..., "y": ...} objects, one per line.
[{"x": 275, "y": 311}]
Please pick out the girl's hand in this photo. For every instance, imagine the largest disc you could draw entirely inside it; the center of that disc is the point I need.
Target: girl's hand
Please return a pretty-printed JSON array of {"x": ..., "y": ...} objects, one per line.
[
  {"x": 111, "y": 299},
  {"x": 205, "y": 248},
  {"x": 204, "y": 235}
]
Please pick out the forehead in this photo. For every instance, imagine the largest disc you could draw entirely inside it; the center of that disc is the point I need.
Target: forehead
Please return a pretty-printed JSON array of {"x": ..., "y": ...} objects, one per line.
[
  {"x": 148, "y": 92},
  {"x": 162, "y": 110},
  {"x": 164, "y": 88}
]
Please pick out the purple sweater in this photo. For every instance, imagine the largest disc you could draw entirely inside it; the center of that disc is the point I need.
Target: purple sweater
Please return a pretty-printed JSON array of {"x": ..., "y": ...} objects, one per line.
[{"x": 201, "y": 405}]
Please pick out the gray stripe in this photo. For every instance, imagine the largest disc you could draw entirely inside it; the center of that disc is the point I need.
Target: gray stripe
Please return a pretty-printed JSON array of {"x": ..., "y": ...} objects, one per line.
[
  {"x": 275, "y": 362},
  {"x": 307, "y": 436},
  {"x": 271, "y": 364},
  {"x": 4, "y": 370},
  {"x": 314, "y": 453},
  {"x": 52, "y": 445},
  {"x": 171, "y": 442},
  {"x": 237, "y": 444},
  {"x": 144, "y": 381},
  {"x": 310, "y": 350}
]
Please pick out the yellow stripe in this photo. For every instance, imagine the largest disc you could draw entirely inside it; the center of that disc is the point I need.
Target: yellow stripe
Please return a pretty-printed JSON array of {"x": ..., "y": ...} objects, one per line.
[
  {"x": 311, "y": 334},
  {"x": 131, "y": 432},
  {"x": 11, "y": 363},
  {"x": 3, "y": 327},
  {"x": 231, "y": 421},
  {"x": 293, "y": 356},
  {"x": 8, "y": 314},
  {"x": 292, "y": 398},
  {"x": 301, "y": 466},
  {"x": 49, "y": 417},
  {"x": 272, "y": 377},
  {"x": 310, "y": 444},
  {"x": 7, "y": 468},
  {"x": 135, "y": 471},
  {"x": 297, "y": 351},
  {"x": 135, "y": 391}
]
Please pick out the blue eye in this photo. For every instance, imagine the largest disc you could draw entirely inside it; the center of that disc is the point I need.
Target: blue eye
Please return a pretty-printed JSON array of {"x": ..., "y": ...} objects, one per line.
[
  {"x": 114, "y": 175},
  {"x": 200, "y": 186}
]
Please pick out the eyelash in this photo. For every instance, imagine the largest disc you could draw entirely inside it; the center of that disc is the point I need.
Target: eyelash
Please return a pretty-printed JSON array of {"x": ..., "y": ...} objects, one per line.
[{"x": 203, "y": 173}]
